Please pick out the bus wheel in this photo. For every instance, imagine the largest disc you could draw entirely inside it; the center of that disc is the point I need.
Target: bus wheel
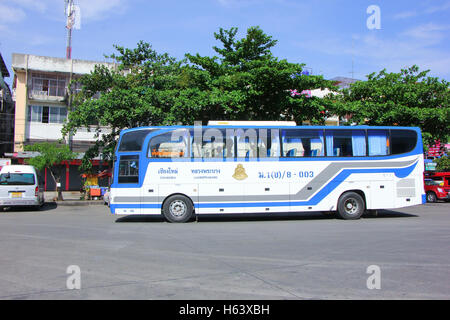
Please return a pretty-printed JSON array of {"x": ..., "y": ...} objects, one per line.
[
  {"x": 178, "y": 208},
  {"x": 350, "y": 206},
  {"x": 431, "y": 196}
]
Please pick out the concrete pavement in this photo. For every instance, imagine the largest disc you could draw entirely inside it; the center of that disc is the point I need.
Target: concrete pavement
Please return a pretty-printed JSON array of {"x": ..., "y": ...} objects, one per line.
[
  {"x": 71, "y": 198},
  {"x": 274, "y": 256}
]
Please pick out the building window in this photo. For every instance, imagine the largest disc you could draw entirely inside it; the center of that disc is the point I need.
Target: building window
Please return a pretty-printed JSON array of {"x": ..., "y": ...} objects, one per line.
[
  {"x": 45, "y": 114},
  {"x": 49, "y": 85},
  {"x": 35, "y": 113}
]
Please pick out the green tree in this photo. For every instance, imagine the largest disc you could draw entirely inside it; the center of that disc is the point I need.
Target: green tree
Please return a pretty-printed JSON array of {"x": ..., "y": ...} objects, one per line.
[
  {"x": 139, "y": 92},
  {"x": 246, "y": 82},
  {"x": 443, "y": 163},
  {"x": 51, "y": 156},
  {"x": 408, "y": 98}
]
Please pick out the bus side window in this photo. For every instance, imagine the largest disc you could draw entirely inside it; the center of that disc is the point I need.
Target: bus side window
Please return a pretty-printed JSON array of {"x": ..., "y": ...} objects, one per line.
[
  {"x": 173, "y": 144},
  {"x": 378, "y": 142},
  {"x": 346, "y": 143},
  {"x": 247, "y": 146},
  {"x": 229, "y": 144},
  {"x": 302, "y": 143},
  {"x": 213, "y": 143},
  {"x": 269, "y": 143}
]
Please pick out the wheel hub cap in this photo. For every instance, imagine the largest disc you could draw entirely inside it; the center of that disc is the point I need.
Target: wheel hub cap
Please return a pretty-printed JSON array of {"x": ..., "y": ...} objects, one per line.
[
  {"x": 177, "y": 208},
  {"x": 351, "y": 207}
]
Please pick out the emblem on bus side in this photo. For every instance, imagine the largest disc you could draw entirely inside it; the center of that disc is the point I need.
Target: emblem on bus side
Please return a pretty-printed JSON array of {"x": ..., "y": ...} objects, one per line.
[{"x": 239, "y": 173}]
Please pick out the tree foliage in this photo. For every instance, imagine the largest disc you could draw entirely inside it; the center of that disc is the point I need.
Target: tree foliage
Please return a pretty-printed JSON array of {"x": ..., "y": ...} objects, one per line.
[
  {"x": 443, "y": 163},
  {"x": 51, "y": 156},
  {"x": 245, "y": 82},
  {"x": 408, "y": 98}
]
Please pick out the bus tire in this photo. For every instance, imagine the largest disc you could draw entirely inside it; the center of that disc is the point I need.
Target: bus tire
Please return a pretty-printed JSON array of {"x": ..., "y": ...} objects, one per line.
[
  {"x": 431, "y": 196},
  {"x": 178, "y": 208},
  {"x": 350, "y": 206}
]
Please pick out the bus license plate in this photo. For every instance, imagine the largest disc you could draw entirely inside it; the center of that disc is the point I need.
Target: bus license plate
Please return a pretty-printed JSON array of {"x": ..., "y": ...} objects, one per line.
[{"x": 16, "y": 195}]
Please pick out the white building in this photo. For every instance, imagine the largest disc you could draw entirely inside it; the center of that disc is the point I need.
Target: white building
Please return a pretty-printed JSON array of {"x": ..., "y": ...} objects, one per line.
[{"x": 41, "y": 95}]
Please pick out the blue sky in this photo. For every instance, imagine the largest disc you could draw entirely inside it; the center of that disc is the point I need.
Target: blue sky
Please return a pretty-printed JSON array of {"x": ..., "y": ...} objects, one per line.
[{"x": 325, "y": 34}]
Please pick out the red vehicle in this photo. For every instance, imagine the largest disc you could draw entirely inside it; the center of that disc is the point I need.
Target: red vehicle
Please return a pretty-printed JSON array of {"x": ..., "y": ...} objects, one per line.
[{"x": 437, "y": 186}]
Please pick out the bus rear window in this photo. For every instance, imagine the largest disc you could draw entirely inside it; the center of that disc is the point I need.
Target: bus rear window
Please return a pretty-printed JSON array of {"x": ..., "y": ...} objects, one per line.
[{"x": 403, "y": 141}]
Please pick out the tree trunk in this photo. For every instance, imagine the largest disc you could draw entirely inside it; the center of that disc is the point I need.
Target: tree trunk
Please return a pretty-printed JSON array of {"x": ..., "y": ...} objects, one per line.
[{"x": 57, "y": 181}]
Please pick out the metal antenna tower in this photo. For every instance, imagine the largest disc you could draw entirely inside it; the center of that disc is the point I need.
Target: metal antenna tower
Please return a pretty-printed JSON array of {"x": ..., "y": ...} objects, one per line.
[
  {"x": 69, "y": 12},
  {"x": 73, "y": 16}
]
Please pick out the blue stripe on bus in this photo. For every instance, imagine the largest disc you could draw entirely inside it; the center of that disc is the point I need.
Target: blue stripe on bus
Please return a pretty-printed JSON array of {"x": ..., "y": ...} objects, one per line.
[
  {"x": 115, "y": 206},
  {"x": 333, "y": 184}
]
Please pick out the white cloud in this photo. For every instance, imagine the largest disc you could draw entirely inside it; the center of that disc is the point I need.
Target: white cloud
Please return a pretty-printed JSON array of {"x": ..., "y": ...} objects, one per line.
[
  {"x": 419, "y": 45},
  {"x": 40, "y": 6},
  {"x": 428, "y": 10},
  {"x": 100, "y": 9},
  {"x": 239, "y": 3},
  {"x": 10, "y": 14},
  {"x": 12, "y": 11},
  {"x": 442, "y": 7},
  {"x": 430, "y": 33},
  {"x": 405, "y": 14}
]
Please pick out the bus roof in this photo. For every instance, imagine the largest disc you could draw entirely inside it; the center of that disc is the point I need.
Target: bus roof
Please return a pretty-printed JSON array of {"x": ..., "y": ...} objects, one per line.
[
  {"x": 251, "y": 123},
  {"x": 417, "y": 129}
]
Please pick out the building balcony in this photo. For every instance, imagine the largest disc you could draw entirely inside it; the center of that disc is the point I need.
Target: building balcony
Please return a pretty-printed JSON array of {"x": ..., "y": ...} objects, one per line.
[{"x": 49, "y": 95}]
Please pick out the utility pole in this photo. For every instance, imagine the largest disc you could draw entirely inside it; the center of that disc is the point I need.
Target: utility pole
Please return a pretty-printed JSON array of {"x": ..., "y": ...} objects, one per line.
[
  {"x": 353, "y": 58},
  {"x": 70, "y": 14}
]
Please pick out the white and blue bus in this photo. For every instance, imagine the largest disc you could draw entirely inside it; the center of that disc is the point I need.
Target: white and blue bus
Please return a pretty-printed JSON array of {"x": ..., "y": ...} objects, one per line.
[{"x": 235, "y": 167}]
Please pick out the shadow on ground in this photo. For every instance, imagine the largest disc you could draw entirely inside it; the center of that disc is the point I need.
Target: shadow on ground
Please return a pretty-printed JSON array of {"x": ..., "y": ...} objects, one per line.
[
  {"x": 265, "y": 217},
  {"x": 48, "y": 206}
]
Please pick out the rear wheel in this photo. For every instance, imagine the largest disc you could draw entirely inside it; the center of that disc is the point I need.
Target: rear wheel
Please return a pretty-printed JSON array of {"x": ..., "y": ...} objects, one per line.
[
  {"x": 350, "y": 206},
  {"x": 178, "y": 208},
  {"x": 431, "y": 196}
]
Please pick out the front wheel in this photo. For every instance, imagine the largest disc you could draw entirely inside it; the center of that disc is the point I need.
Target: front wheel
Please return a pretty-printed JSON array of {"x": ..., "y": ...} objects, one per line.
[
  {"x": 178, "y": 208},
  {"x": 350, "y": 206},
  {"x": 431, "y": 197}
]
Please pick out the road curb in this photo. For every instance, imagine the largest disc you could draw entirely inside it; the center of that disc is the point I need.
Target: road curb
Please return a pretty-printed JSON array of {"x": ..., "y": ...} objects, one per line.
[{"x": 77, "y": 202}]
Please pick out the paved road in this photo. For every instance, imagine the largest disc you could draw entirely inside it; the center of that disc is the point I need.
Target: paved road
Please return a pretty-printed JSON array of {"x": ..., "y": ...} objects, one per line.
[{"x": 285, "y": 257}]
